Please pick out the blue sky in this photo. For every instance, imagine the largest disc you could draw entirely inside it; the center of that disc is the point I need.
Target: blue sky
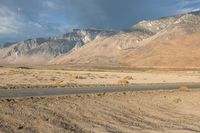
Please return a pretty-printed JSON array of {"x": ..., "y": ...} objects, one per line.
[{"x": 23, "y": 19}]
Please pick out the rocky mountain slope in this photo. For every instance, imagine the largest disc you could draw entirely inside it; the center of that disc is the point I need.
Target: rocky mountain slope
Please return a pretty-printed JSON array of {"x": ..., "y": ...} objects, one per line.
[
  {"x": 41, "y": 50},
  {"x": 167, "y": 42}
]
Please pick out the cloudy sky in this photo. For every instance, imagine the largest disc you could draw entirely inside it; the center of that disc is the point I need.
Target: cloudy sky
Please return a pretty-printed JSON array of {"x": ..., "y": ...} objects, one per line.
[{"x": 23, "y": 19}]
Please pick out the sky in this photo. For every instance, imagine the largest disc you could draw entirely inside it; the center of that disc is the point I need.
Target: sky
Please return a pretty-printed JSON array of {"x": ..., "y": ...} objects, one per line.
[{"x": 24, "y": 19}]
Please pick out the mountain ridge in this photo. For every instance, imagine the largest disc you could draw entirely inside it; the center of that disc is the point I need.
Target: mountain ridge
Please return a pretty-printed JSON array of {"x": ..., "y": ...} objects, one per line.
[
  {"x": 133, "y": 48},
  {"x": 52, "y": 46},
  {"x": 130, "y": 47}
]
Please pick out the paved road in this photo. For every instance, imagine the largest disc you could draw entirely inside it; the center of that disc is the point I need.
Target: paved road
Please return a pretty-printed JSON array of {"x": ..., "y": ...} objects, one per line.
[{"x": 69, "y": 91}]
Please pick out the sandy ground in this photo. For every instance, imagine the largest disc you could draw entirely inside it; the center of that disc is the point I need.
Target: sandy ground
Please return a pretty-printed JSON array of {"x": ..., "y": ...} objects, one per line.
[
  {"x": 12, "y": 78},
  {"x": 131, "y": 112}
]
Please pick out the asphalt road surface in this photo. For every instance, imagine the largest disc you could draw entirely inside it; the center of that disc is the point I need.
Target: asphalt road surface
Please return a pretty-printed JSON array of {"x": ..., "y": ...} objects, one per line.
[{"x": 20, "y": 93}]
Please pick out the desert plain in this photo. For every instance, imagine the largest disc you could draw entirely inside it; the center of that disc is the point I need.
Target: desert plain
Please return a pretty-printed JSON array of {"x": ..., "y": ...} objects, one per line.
[
  {"x": 25, "y": 77},
  {"x": 164, "y": 111}
]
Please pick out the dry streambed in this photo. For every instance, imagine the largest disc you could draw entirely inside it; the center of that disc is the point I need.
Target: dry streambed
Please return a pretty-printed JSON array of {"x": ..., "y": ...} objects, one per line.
[{"x": 139, "y": 112}]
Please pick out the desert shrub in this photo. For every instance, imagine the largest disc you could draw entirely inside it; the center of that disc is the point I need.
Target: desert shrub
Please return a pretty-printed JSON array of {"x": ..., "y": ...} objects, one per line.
[
  {"x": 184, "y": 89},
  {"x": 177, "y": 100},
  {"x": 123, "y": 82},
  {"x": 73, "y": 77},
  {"x": 102, "y": 77},
  {"x": 61, "y": 83},
  {"x": 53, "y": 79},
  {"x": 128, "y": 78}
]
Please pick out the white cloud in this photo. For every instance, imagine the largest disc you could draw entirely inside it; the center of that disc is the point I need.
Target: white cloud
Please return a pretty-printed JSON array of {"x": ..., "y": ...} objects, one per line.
[
  {"x": 35, "y": 24},
  {"x": 50, "y": 4},
  {"x": 19, "y": 9},
  {"x": 13, "y": 23},
  {"x": 188, "y": 6},
  {"x": 65, "y": 28},
  {"x": 186, "y": 10},
  {"x": 9, "y": 21}
]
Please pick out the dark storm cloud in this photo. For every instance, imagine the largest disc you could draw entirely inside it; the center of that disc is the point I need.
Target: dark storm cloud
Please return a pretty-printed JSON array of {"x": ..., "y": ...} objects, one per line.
[{"x": 22, "y": 19}]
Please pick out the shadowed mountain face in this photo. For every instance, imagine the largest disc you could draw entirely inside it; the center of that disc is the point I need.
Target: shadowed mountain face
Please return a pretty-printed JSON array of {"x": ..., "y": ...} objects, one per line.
[
  {"x": 167, "y": 42},
  {"x": 41, "y": 50}
]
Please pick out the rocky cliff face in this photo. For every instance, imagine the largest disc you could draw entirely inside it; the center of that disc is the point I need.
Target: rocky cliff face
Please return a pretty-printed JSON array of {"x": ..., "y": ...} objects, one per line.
[{"x": 50, "y": 47}]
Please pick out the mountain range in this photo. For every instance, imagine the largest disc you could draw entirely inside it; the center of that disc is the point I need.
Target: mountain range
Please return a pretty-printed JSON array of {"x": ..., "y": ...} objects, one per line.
[
  {"x": 40, "y": 51},
  {"x": 170, "y": 42}
]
